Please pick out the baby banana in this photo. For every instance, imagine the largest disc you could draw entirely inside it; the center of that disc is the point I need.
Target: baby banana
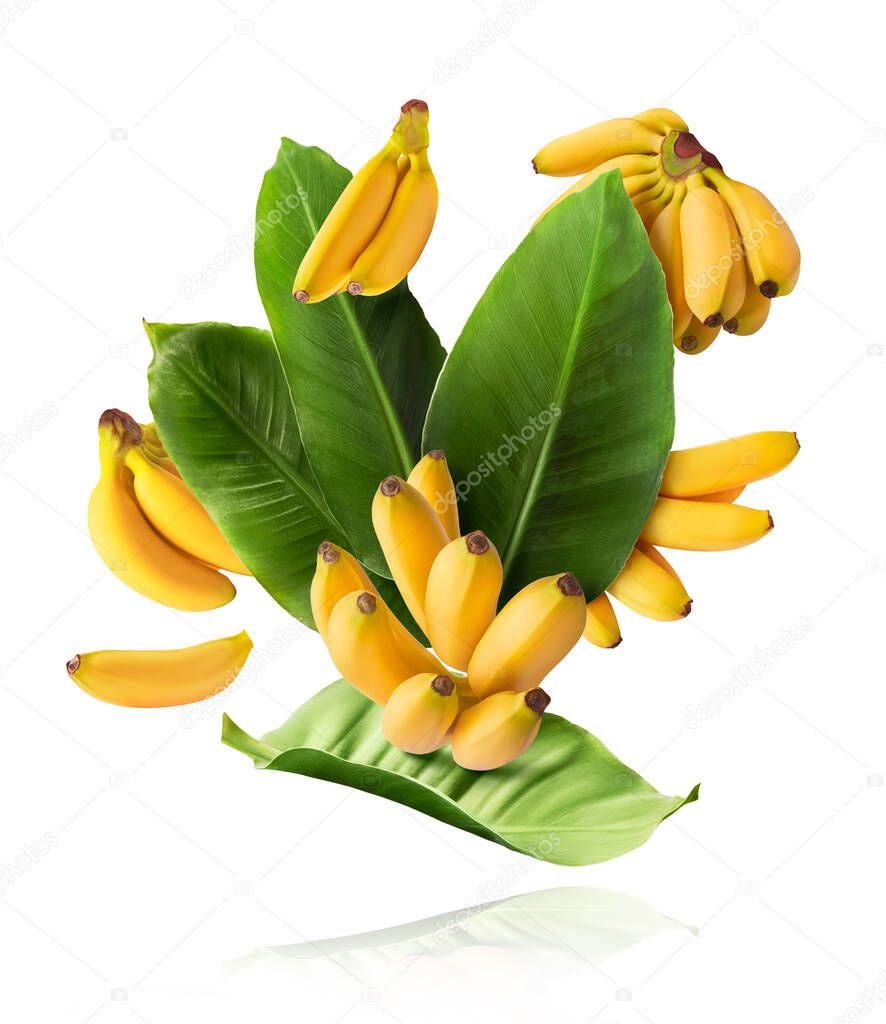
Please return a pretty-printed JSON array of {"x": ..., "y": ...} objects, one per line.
[
  {"x": 411, "y": 537},
  {"x": 754, "y": 311},
  {"x": 535, "y": 630},
  {"x": 431, "y": 478},
  {"x": 420, "y": 713},
  {"x": 160, "y": 679},
  {"x": 649, "y": 586},
  {"x": 602, "y": 627},
  {"x": 704, "y": 525},
  {"x": 498, "y": 729},
  {"x": 705, "y": 233},
  {"x": 461, "y": 598},
  {"x": 632, "y": 166},
  {"x": 583, "y": 150},
  {"x": 736, "y": 279},
  {"x": 662, "y": 120},
  {"x": 664, "y": 237},
  {"x": 724, "y": 465}
]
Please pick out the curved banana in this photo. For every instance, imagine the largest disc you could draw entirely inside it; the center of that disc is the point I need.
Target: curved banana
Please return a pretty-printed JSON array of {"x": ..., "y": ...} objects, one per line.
[
  {"x": 664, "y": 237},
  {"x": 534, "y": 631},
  {"x": 583, "y": 150},
  {"x": 736, "y": 275},
  {"x": 602, "y": 627},
  {"x": 726, "y": 464},
  {"x": 462, "y": 595},
  {"x": 696, "y": 337},
  {"x": 420, "y": 713},
  {"x": 754, "y": 311},
  {"x": 650, "y": 589},
  {"x": 411, "y": 537},
  {"x": 704, "y": 230},
  {"x": 128, "y": 544},
  {"x": 161, "y": 679},
  {"x": 770, "y": 247},
  {"x": 431, "y": 478},
  {"x": 498, "y": 729},
  {"x": 662, "y": 120},
  {"x": 632, "y": 165},
  {"x": 729, "y": 495},
  {"x": 649, "y": 209},
  {"x": 704, "y": 525}
]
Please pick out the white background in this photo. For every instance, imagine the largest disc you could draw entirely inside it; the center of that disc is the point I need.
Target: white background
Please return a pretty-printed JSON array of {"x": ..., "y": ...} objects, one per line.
[{"x": 135, "y": 136}]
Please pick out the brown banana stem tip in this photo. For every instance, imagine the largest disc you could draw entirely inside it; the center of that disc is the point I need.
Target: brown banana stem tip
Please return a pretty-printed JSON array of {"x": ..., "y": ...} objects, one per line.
[
  {"x": 328, "y": 552},
  {"x": 769, "y": 289},
  {"x": 366, "y": 603},
  {"x": 714, "y": 320},
  {"x": 73, "y": 664},
  {"x": 617, "y": 642},
  {"x": 301, "y": 295},
  {"x": 122, "y": 424},
  {"x": 390, "y": 486},
  {"x": 687, "y": 608},
  {"x": 569, "y": 586},
  {"x": 418, "y": 105},
  {"x": 771, "y": 522},
  {"x": 354, "y": 287},
  {"x": 477, "y": 543},
  {"x": 437, "y": 454},
  {"x": 730, "y": 325},
  {"x": 689, "y": 343},
  {"x": 537, "y": 701},
  {"x": 442, "y": 685}
]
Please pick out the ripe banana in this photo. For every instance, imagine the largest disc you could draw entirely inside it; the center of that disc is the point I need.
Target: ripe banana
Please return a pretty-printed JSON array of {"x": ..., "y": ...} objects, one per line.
[
  {"x": 129, "y": 545},
  {"x": 662, "y": 120},
  {"x": 431, "y": 478},
  {"x": 161, "y": 679},
  {"x": 664, "y": 237},
  {"x": 498, "y": 729},
  {"x": 582, "y": 151},
  {"x": 770, "y": 247},
  {"x": 461, "y": 598},
  {"x": 601, "y": 627},
  {"x": 704, "y": 525},
  {"x": 724, "y": 465},
  {"x": 728, "y": 495},
  {"x": 650, "y": 209},
  {"x": 696, "y": 338},
  {"x": 535, "y": 630},
  {"x": 632, "y": 166},
  {"x": 736, "y": 279},
  {"x": 650, "y": 588},
  {"x": 754, "y": 311},
  {"x": 420, "y": 713},
  {"x": 704, "y": 230},
  {"x": 411, "y": 537}
]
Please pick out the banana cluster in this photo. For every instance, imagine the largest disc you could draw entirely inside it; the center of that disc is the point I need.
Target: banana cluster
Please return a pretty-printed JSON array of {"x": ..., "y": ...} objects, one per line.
[
  {"x": 695, "y": 511},
  {"x": 725, "y": 249},
  {"x": 478, "y": 689},
  {"x": 381, "y": 222}
]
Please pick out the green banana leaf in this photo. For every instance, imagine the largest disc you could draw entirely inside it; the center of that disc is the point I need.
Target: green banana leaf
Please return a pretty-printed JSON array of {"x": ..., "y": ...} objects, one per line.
[
  {"x": 556, "y": 406},
  {"x": 567, "y": 800},
  {"x": 223, "y": 412},
  {"x": 360, "y": 370}
]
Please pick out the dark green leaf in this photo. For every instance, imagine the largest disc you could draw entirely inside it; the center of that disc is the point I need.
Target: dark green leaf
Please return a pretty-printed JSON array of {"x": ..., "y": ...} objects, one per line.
[{"x": 567, "y": 799}]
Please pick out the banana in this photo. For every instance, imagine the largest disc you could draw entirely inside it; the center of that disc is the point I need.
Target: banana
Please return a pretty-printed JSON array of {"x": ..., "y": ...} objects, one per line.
[
  {"x": 584, "y": 150},
  {"x": 704, "y": 525},
  {"x": 650, "y": 589},
  {"x": 770, "y": 247},
  {"x": 704, "y": 230},
  {"x": 411, "y": 537},
  {"x": 727, "y": 496},
  {"x": 650, "y": 208},
  {"x": 733, "y": 296},
  {"x": 431, "y": 478},
  {"x": 420, "y": 713},
  {"x": 535, "y": 630},
  {"x": 498, "y": 729},
  {"x": 726, "y": 464},
  {"x": 754, "y": 311},
  {"x": 601, "y": 627},
  {"x": 664, "y": 237},
  {"x": 696, "y": 337},
  {"x": 662, "y": 120},
  {"x": 632, "y": 166},
  {"x": 128, "y": 544},
  {"x": 461, "y": 598},
  {"x": 161, "y": 679},
  {"x": 174, "y": 511}
]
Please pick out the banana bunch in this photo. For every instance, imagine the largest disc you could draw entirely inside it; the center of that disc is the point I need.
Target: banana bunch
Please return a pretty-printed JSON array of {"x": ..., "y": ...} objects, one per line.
[
  {"x": 479, "y": 686},
  {"x": 726, "y": 251},
  {"x": 695, "y": 511},
  {"x": 379, "y": 225}
]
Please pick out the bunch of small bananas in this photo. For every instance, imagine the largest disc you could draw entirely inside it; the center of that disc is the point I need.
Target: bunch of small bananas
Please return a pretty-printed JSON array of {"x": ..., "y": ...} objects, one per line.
[
  {"x": 725, "y": 249},
  {"x": 381, "y": 222},
  {"x": 482, "y": 693},
  {"x": 695, "y": 511}
]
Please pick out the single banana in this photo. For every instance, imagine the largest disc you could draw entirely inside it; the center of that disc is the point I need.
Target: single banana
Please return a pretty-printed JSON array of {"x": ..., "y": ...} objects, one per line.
[
  {"x": 534, "y": 631},
  {"x": 498, "y": 729},
  {"x": 729, "y": 495},
  {"x": 696, "y": 337},
  {"x": 631, "y": 166},
  {"x": 704, "y": 230},
  {"x": 462, "y": 595},
  {"x": 704, "y": 525},
  {"x": 161, "y": 679},
  {"x": 128, "y": 544},
  {"x": 411, "y": 537},
  {"x": 402, "y": 235},
  {"x": 754, "y": 311},
  {"x": 420, "y": 713},
  {"x": 736, "y": 279},
  {"x": 645, "y": 586},
  {"x": 723, "y": 465},
  {"x": 662, "y": 120},
  {"x": 664, "y": 237},
  {"x": 770, "y": 247},
  {"x": 431, "y": 478},
  {"x": 602, "y": 627},
  {"x": 584, "y": 150}
]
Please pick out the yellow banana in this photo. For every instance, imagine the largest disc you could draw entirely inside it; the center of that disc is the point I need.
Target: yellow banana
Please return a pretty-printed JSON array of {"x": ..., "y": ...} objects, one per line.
[
  {"x": 498, "y": 729},
  {"x": 420, "y": 713},
  {"x": 704, "y": 230},
  {"x": 696, "y": 337},
  {"x": 650, "y": 589},
  {"x": 770, "y": 247},
  {"x": 174, "y": 511},
  {"x": 662, "y": 120},
  {"x": 583, "y": 150},
  {"x": 754, "y": 311},
  {"x": 161, "y": 679},
  {"x": 411, "y": 537},
  {"x": 431, "y": 478},
  {"x": 601, "y": 627},
  {"x": 726, "y": 464},
  {"x": 649, "y": 208},
  {"x": 631, "y": 165},
  {"x": 729, "y": 495},
  {"x": 704, "y": 525},
  {"x": 664, "y": 237},
  {"x": 736, "y": 279},
  {"x": 129, "y": 545},
  {"x": 535, "y": 630},
  {"x": 461, "y": 598}
]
